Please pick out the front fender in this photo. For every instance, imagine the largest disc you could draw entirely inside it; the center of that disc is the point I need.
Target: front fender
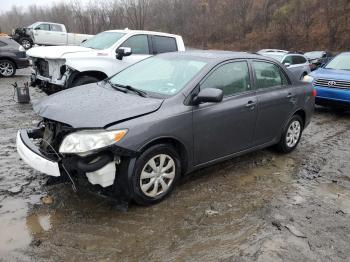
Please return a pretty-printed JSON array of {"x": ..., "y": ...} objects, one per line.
[{"x": 107, "y": 65}]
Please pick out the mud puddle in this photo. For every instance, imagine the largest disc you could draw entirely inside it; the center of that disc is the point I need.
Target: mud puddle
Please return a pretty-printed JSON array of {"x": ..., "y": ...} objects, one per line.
[{"x": 259, "y": 207}]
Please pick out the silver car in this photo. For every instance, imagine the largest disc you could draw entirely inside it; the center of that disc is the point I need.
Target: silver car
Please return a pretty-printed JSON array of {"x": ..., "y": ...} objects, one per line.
[{"x": 298, "y": 64}]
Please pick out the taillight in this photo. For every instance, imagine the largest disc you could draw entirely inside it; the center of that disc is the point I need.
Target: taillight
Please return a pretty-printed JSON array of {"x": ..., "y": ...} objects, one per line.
[{"x": 314, "y": 92}]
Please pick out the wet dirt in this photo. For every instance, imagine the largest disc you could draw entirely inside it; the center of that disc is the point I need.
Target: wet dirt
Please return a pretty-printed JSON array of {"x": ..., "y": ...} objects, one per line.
[{"x": 260, "y": 207}]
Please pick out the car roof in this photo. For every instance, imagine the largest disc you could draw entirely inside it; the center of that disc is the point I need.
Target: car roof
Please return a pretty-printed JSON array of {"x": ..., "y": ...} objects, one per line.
[
  {"x": 128, "y": 31},
  {"x": 215, "y": 55}
]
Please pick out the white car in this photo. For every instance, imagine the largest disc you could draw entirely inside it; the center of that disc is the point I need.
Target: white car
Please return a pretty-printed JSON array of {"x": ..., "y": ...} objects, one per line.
[
  {"x": 47, "y": 33},
  {"x": 298, "y": 64},
  {"x": 60, "y": 67}
]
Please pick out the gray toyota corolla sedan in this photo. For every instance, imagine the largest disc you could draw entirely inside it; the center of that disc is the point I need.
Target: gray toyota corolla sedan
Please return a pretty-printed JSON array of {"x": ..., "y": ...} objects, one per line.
[{"x": 139, "y": 131}]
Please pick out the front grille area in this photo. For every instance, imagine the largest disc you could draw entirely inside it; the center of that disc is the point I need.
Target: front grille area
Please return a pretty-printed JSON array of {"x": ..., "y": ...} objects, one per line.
[
  {"x": 53, "y": 134},
  {"x": 43, "y": 67},
  {"x": 332, "y": 83}
]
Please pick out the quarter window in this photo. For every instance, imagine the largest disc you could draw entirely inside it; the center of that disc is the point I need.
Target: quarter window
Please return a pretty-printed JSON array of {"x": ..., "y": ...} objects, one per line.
[
  {"x": 268, "y": 75},
  {"x": 231, "y": 78},
  {"x": 162, "y": 44},
  {"x": 138, "y": 44}
]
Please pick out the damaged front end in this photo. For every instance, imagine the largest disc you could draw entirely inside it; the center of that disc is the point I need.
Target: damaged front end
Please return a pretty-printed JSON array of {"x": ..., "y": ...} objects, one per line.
[{"x": 41, "y": 148}]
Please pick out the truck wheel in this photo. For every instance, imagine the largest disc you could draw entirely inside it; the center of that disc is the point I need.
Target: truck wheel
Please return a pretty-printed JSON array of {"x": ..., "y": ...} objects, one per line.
[
  {"x": 84, "y": 80},
  {"x": 7, "y": 68},
  {"x": 26, "y": 42},
  {"x": 155, "y": 175}
]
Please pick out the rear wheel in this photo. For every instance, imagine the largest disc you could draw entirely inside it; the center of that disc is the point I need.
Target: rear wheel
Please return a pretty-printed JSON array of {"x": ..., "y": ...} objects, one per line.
[
  {"x": 291, "y": 135},
  {"x": 26, "y": 42},
  {"x": 7, "y": 68},
  {"x": 155, "y": 175},
  {"x": 84, "y": 80}
]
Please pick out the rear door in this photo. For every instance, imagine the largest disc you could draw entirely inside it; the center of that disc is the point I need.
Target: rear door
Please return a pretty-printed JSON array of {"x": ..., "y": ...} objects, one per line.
[
  {"x": 221, "y": 129},
  {"x": 57, "y": 35},
  {"x": 163, "y": 44},
  {"x": 276, "y": 100}
]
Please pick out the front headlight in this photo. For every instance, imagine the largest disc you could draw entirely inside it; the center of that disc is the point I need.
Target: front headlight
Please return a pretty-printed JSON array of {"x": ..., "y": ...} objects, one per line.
[
  {"x": 85, "y": 141},
  {"x": 21, "y": 49},
  {"x": 308, "y": 79}
]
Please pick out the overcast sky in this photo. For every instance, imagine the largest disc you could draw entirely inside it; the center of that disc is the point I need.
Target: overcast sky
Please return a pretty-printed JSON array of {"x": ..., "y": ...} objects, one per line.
[{"x": 6, "y": 5}]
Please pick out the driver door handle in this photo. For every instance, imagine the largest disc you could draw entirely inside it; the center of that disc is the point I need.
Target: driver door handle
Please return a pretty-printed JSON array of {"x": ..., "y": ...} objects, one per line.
[
  {"x": 251, "y": 104},
  {"x": 290, "y": 95}
]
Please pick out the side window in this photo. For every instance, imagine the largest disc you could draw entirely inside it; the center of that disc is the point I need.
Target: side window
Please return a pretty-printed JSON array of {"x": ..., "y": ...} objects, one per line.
[
  {"x": 2, "y": 43},
  {"x": 231, "y": 78},
  {"x": 45, "y": 27},
  {"x": 56, "y": 28},
  {"x": 138, "y": 44},
  {"x": 268, "y": 75},
  {"x": 298, "y": 60},
  {"x": 288, "y": 60},
  {"x": 162, "y": 44}
]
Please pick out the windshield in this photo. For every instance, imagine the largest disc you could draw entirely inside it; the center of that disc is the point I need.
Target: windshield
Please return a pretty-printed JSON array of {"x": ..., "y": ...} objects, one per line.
[
  {"x": 103, "y": 40},
  {"x": 340, "y": 62},
  {"x": 161, "y": 75},
  {"x": 314, "y": 55},
  {"x": 277, "y": 57},
  {"x": 33, "y": 25}
]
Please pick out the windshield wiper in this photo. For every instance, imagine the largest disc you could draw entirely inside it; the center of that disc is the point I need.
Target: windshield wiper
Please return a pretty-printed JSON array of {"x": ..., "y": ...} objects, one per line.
[
  {"x": 130, "y": 88},
  {"x": 116, "y": 87}
]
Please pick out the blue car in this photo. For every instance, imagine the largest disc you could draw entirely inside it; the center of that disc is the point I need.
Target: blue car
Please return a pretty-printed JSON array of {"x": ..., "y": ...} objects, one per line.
[{"x": 332, "y": 82}]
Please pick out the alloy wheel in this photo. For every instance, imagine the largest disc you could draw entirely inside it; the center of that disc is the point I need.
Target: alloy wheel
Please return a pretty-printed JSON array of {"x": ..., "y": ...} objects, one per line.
[
  {"x": 6, "y": 68},
  {"x": 157, "y": 175},
  {"x": 293, "y": 133}
]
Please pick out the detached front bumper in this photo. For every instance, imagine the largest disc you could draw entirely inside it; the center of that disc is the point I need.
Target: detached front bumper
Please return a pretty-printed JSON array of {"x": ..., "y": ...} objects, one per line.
[{"x": 33, "y": 157}]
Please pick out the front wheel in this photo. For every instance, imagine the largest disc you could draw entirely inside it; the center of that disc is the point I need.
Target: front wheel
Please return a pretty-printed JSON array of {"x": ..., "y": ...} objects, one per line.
[
  {"x": 155, "y": 175},
  {"x": 291, "y": 135},
  {"x": 26, "y": 42},
  {"x": 7, "y": 68}
]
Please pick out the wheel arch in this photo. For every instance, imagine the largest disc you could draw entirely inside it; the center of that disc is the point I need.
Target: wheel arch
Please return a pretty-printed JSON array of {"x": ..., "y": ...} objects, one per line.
[
  {"x": 178, "y": 146},
  {"x": 9, "y": 59},
  {"x": 302, "y": 114},
  {"x": 77, "y": 74}
]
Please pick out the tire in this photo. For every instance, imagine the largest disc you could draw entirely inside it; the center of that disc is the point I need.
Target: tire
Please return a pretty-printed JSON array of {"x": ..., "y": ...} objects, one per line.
[
  {"x": 144, "y": 192},
  {"x": 26, "y": 42},
  {"x": 291, "y": 135},
  {"x": 84, "y": 80},
  {"x": 7, "y": 68}
]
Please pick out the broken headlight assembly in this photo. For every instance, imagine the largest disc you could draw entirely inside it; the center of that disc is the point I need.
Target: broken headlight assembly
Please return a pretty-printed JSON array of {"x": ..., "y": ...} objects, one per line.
[{"x": 85, "y": 141}]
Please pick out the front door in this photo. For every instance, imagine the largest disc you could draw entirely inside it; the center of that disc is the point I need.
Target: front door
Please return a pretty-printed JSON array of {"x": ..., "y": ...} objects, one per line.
[
  {"x": 42, "y": 34},
  {"x": 221, "y": 129},
  {"x": 276, "y": 100},
  {"x": 140, "y": 50}
]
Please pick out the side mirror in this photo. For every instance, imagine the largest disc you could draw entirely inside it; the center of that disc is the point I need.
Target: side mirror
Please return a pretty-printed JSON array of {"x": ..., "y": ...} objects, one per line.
[
  {"x": 123, "y": 51},
  {"x": 209, "y": 95},
  {"x": 287, "y": 64}
]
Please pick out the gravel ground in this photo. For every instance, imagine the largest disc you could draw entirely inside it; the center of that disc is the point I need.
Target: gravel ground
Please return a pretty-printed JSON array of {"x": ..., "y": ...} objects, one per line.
[{"x": 259, "y": 207}]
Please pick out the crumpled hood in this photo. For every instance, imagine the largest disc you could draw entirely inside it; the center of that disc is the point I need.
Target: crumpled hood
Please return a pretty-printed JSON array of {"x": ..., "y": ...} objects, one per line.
[
  {"x": 54, "y": 52},
  {"x": 94, "y": 106},
  {"x": 331, "y": 74}
]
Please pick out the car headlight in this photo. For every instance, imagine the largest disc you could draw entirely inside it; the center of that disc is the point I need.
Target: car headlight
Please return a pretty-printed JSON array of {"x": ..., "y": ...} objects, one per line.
[
  {"x": 21, "y": 49},
  {"x": 85, "y": 141},
  {"x": 308, "y": 79}
]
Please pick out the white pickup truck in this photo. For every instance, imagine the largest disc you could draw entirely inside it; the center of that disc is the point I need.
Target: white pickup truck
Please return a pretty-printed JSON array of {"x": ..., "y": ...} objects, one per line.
[
  {"x": 47, "y": 33},
  {"x": 59, "y": 67}
]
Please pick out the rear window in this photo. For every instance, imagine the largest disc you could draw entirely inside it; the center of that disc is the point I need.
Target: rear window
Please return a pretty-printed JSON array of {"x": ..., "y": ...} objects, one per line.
[
  {"x": 56, "y": 28},
  {"x": 163, "y": 44}
]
